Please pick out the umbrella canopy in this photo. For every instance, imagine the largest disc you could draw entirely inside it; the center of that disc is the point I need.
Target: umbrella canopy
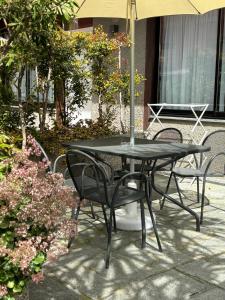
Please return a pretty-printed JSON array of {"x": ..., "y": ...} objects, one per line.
[
  {"x": 144, "y": 8},
  {"x": 141, "y": 9}
]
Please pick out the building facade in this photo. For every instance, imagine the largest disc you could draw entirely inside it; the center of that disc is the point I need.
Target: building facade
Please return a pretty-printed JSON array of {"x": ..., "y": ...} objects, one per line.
[{"x": 183, "y": 61}]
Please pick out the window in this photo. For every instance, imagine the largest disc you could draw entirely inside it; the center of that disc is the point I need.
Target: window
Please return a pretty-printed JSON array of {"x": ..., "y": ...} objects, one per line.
[
  {"x": 187, "y": 62},
  {"x": 29, "y": 87},
  {"x": 221, "y": 69}
]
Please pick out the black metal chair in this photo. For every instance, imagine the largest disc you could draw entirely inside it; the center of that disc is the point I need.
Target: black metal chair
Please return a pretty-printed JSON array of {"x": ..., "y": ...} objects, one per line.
[
  {"x": 210, "y": 164},
  {"x": 167, "y": 135},
  {"x": 60, "y": 166},
  {"x": 93, "y": 183}
]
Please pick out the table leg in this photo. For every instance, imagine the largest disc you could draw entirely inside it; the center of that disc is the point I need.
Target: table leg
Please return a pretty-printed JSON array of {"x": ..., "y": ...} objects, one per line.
[{"x": 171, "y": 199}]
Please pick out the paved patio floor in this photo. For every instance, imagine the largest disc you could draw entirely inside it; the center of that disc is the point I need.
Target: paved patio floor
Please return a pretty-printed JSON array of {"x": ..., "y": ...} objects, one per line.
[{"x": 192, "y": 265}]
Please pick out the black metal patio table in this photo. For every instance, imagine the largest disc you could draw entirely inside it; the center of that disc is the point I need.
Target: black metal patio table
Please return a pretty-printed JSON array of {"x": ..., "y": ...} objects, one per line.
[{"x": 144, "y": 150}]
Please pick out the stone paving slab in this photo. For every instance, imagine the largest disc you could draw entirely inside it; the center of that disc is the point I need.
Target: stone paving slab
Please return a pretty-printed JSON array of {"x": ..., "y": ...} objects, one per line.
[
  {"x": 51, "y": 289},
  {"x": 212, "y": 294},
  {"x": 171, "y": 285},
  {"x": 211, "y": 270}
]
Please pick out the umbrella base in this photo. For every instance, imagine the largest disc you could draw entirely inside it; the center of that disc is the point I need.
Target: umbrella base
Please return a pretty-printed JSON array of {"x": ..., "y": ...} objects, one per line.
[{"x": 129, "y": 219}]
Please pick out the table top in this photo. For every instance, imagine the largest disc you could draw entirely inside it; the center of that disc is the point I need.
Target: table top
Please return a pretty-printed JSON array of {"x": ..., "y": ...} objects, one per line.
[
  {"x": 179, "y": 104},
  {"x": 143, "y": 149}
]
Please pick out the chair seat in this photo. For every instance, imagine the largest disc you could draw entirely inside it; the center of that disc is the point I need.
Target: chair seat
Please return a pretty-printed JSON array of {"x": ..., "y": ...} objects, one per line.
[
  {"x": 188, "y": 172},
  {"x": 69, "y": 182},
  {"x": 119, "y": 173},
  {"x": 87, "y": 181},
  {"x": 149, "y": 167},
  {"x": 126, "y": 195},
  {"x": 139, "y": 167}
]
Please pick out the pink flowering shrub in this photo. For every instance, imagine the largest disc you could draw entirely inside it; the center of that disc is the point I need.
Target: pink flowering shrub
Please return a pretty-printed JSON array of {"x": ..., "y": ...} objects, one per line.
[{"x": 33, "y": 219}]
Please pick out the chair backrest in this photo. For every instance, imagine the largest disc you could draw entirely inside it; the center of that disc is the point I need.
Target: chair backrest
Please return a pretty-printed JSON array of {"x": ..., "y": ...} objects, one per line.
[
  {"x": 216, "y": 141},
  {"x": 87, "y": 174},
  {"x": 59, "y": 165},
  {"x": 170, "y": 135}
]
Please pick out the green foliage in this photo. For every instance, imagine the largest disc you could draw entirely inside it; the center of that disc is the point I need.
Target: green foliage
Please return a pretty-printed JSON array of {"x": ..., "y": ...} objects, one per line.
[
  {"x": 68, "y": 67},
  {"x": 52, "y": 140},
  {"x": 29, "y": 22},
  {"x": 119, "y": 82},
  {"x": 31, "y": 25},
  {"x": 99, "y": 56},
  {"x": 86, "y": 64},
  {"x": 10, "y": 117},
  {"x": 102, "y": 53},
  {"x": 6, "y": 148}
]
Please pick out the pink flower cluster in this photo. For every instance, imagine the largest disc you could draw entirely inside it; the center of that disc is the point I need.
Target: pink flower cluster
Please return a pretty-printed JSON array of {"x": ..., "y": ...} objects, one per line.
[
  {"x": 32, "y": 148},
  {"x": 37, "y": 277},
  {"x": 23, "y": 254},
  {"x": 3, "y": 290}
]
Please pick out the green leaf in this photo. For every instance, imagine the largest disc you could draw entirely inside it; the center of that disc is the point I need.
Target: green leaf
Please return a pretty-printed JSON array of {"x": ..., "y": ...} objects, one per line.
[
  {"x": 21, "y": 283},
  {"x": 10, "y": 61},
  {"x": 17, "y": 289},
  {"x": 37, "y": 269},
  {"x": 10, "y": 284},
  {"x": 13, "y": 24},
  {"x": 39, "y": 259},
  {"x": 9, "y": 298},
  {"x": 4, "y": 224}
]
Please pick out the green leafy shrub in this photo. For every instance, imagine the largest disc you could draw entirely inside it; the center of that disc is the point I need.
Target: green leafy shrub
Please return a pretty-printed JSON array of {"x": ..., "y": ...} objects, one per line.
[
  {"x": 6, "y": 148},
  {"x": 53, "y": 139}
]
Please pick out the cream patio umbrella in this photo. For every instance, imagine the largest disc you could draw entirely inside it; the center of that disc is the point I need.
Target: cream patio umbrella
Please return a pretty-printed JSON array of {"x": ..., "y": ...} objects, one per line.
[{"x": 141, "y": 9}]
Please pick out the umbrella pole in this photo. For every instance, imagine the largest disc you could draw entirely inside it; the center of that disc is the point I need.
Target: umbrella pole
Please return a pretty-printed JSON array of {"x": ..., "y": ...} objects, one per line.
[
  {"x": 131, "y": 220},
  {"x": 132, "y": 71},
  {"x": 132, "y": 77}
]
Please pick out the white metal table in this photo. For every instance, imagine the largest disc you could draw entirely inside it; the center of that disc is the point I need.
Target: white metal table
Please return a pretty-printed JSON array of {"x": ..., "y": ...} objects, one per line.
[{"x": 193, "y": 107}]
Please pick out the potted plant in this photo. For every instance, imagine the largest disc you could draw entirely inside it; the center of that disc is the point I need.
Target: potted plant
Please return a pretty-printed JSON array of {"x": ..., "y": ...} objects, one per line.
[{"x": 33, "y": 220}]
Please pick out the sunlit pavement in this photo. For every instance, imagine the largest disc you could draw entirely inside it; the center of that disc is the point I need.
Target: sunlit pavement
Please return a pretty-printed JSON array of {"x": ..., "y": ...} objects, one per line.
[{"x": 192, "y": 265}]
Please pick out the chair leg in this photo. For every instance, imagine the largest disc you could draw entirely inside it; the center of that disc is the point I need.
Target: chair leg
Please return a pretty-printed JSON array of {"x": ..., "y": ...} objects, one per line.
[
  {"x": 166, "y": 191},
  {"x": 202, "y": 200},
  {"x": 105, "y": 218},
  {"x": 114, "y": 221},
  {"x": 74, "y": 215},
  {"x": 109, "y": 240},
  {"x": 178, "y": 189},
  {"x": 92, "y": 210},
  {"x": 149, "y": 203},
  {"x": 198, "y": 194},
  {"x": 143, "y": 240}
]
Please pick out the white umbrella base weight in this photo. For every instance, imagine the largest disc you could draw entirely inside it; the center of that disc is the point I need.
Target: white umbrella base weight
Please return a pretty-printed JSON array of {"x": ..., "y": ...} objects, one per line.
[{"x": 129, "y": 218}]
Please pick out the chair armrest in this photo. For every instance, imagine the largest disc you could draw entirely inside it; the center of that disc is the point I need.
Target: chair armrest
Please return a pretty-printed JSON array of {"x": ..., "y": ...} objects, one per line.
[
  {"x": 130, "y": 176},
  {"x": 212, "y": 160},
  {"x": 58, "y": 159}
]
